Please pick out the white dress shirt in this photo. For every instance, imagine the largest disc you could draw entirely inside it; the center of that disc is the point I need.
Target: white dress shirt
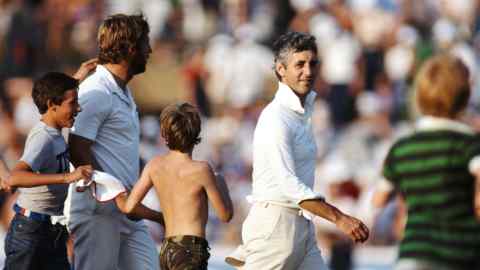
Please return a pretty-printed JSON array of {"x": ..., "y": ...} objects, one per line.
[{"x": 284, "y": 151}]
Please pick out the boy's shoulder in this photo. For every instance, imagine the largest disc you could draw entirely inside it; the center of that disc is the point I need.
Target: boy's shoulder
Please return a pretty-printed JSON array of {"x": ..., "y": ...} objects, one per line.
[
  {"x": 199, "y": 165},
  {"x": 198, "y": 171},
  {"x": 41, "y": 133}
]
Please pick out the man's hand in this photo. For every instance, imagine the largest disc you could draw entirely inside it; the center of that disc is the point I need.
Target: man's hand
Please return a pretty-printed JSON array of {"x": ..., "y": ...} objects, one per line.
[
  {"x": 85, "y": 69},
  {"x": 82, "y": 172},
  {"x": 476, "y": 199},
  {"x": 477, "y": 205},
  {"x": 351, "y": 226},
  {"x": 354, "y": 228}
]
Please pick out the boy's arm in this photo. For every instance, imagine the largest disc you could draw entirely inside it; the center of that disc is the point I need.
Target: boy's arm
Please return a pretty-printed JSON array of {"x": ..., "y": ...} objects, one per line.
[
  {"x": 23, "y": 176},
  {"x": 4, "y": 175},
  {"x": 140, "y": 211},
  {"x": 217, "y": 193},
  {"x": 85, "y": 69},
  {"x": 139, "y": 191}
]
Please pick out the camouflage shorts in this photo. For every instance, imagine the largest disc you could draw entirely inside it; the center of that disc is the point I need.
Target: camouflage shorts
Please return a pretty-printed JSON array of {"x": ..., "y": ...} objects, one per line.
[{"x": 184, "y": 253}]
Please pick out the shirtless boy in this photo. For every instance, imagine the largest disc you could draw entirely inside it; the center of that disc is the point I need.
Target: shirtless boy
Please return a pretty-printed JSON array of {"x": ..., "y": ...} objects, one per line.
[{"x": 184, "y": 187}]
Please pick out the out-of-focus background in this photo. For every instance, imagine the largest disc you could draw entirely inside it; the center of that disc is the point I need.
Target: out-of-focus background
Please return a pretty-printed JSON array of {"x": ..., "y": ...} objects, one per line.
[{"x": 217, "y": 55}]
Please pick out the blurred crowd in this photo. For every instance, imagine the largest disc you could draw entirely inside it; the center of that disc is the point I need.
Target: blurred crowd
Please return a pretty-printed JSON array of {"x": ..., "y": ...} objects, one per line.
[{"x": 217, "y": 55}]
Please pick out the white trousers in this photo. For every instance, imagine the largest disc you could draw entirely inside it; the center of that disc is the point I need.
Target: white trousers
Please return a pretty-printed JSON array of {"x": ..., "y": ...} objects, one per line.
[
  {"x": 278, "y": 238},
  {"x": 105, "y": 239},
  {"x": 414, "y": 264}
]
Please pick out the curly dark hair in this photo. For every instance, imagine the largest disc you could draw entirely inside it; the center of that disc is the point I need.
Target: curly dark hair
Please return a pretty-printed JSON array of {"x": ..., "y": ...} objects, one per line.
[
  {"x": 118, "y": 35},
  {"x": 51, "y": 86},
  {"x": 180, "y": 126},
  {"x": 292, "y": 42}
]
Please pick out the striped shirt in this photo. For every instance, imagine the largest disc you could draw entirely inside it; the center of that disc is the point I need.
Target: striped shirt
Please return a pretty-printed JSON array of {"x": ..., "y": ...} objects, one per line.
[{"x": 430, "y": 168}]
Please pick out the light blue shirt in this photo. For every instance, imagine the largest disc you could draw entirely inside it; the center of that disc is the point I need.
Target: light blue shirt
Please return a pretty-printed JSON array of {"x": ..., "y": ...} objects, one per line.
[
  {"x": 46, "y": 153},
  {"x": 109, "y": 118},
  {"x": 284, "y": 151}
]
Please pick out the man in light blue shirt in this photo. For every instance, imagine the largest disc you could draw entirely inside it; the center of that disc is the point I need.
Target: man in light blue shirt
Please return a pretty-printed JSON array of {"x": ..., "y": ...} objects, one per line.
[
  {"x": 278, "y": 233},
  {"x": 106, "y": 134}
]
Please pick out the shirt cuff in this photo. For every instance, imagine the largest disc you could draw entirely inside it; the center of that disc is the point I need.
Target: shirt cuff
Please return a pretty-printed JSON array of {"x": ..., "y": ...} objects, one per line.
[
  {"x": 474, "y": 165},
  {"x": 311, "y": 197},
  {"x": 385, "y": 186}
]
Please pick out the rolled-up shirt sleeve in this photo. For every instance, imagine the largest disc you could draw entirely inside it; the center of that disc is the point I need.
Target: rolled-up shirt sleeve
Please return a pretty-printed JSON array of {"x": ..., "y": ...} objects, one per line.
[
  {"x": 278, "y": 144},
  {"x": 95, "y": 105}
]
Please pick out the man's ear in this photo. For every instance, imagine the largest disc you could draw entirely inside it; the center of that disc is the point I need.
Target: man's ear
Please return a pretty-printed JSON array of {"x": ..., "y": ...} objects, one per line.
[
  {"x": 280, "y": 68},
  {"x": 132, "y": 51}
]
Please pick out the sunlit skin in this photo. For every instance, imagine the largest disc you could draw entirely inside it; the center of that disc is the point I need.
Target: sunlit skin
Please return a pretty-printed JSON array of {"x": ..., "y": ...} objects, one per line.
[
  {"x": 184, "y": 187},
  {"x": 135, "y": 63},
  {"x": 299, "y": 72},
  {"x": 63, "y": 115}
]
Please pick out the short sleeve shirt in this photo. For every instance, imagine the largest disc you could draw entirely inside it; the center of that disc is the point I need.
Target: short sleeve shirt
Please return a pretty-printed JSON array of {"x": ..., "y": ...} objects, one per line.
[
  {"x": 109, "y": 118},
  {"x": 46, "y": 153}
]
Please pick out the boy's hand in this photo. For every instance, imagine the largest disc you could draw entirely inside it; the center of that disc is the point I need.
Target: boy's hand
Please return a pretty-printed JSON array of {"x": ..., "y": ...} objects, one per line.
[
  {"x": 354, "y": 228},
  {"x": 82, "y": 172},
  {"x": 85, "y": 68},
  {"x": 4, "y": 186}
]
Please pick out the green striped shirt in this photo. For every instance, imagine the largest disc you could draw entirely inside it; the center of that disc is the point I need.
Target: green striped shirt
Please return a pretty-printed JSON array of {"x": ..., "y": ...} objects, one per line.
[{"x": 430, "y": 169}]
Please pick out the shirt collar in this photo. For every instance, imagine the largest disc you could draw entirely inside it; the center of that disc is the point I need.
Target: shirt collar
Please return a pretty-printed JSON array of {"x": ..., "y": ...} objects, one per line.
[
  {"x": 289, "y": 99},
  {"x": 430, "y": 123},
  {"x": 112, "y": 84},
  {"x": 49, "y": 129}
]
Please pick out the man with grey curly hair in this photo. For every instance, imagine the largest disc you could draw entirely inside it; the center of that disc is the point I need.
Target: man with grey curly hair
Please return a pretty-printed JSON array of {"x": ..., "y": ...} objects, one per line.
[{"x": 278, "y": 232}]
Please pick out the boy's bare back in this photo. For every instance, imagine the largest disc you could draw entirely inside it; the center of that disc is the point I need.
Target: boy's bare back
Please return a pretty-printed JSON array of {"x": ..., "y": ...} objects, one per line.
[{"x": 184, "y": 187}]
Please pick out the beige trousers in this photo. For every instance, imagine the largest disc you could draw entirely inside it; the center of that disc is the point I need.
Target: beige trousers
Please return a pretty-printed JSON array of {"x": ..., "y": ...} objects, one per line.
[
  {"x": 279, "y": 238},
  {"x": 414, "y": 264}
]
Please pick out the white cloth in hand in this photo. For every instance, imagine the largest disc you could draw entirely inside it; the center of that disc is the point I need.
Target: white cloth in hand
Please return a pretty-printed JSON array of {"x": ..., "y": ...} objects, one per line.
[{"x": 104, "y": 186}]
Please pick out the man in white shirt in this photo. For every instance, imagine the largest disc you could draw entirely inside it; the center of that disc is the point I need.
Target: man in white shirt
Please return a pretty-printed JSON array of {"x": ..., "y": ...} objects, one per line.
[
  {"x": 106, "y": 134},
  {"x": 278, "y": 233}
]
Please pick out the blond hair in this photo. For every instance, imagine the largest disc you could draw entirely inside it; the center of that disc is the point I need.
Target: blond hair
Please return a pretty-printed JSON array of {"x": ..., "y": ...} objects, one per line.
[
  {"x": 180, "y": 126},
  {"x": 118, "y": 35},
  {"x": 442, "y": 87}
]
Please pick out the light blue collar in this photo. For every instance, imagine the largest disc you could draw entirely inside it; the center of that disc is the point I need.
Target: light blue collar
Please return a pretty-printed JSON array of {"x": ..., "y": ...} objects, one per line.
[{"x": 113, "y": 86}]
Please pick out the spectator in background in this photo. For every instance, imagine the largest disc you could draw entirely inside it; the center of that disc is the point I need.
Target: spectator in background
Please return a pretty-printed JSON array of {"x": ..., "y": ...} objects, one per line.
[
  {"x": 195, "y": 75},
  {"x": 437, "y": 170},
  {"x": 106, "y": 135}
]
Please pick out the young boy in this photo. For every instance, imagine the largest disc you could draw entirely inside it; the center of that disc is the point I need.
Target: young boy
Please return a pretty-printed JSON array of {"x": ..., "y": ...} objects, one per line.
[
  {"x": 435, "y": 169},
  {"x": 184, "y": 187},
  {"x": 42, "y": 177}
]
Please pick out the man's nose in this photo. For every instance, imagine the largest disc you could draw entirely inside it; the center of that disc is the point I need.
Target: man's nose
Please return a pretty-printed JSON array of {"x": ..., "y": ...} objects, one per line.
[{"x": 308, "y": 70}]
